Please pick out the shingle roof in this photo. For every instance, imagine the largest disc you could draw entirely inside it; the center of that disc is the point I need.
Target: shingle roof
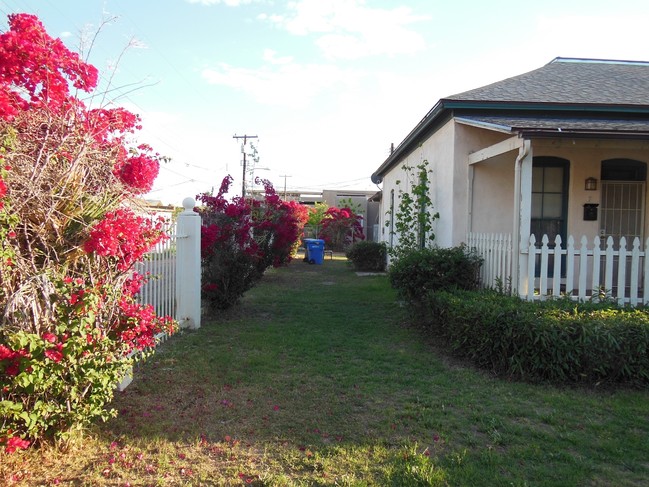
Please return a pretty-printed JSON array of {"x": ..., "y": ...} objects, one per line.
[
  {"x": 571, "y": 81},
  {"x": 559, "y": 125}
]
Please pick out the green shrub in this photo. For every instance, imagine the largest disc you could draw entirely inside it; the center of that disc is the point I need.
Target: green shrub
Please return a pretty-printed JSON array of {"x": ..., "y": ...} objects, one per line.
[
  {"x": 559, "y": 341},
  {"x": 418, "y": 272},
  {"x": 368, "y": 256}
]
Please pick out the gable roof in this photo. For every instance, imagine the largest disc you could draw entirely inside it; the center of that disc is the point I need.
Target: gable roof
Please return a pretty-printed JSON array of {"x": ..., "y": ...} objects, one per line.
[
  {"x": 568, "y": 96},
  {"x": 571, "y": 81}
]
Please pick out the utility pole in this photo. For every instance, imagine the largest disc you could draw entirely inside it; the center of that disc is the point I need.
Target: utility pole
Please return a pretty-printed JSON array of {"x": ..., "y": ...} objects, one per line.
[
  {"x": 243, "y": 151},
  {"x": 285, "y": 176}
]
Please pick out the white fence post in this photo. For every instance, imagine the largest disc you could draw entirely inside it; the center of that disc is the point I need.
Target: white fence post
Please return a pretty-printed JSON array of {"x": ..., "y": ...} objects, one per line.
[{"x": 188, "y": 266}]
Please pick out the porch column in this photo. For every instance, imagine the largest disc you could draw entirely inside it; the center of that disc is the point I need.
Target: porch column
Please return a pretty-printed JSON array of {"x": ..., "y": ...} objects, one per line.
[{"x": 522, "y": 217}]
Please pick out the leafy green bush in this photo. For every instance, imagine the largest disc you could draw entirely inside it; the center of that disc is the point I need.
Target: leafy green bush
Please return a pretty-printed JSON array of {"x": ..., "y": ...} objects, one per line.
[
  {"x": 418, "y": 272},
  {"x": 560, "y": 341},
  {"x": 368, "y": 256}
]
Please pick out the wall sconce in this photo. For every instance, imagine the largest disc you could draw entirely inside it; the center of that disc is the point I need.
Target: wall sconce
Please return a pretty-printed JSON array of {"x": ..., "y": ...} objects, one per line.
[{"x": 591, "y": 184}]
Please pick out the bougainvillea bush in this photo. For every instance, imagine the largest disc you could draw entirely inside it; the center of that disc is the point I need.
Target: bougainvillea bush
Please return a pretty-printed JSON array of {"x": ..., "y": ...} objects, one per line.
[
  {"x": 241, "y": 238},
  {"x": 69, "y": 236},
  {"x": 341, "y": 228}
]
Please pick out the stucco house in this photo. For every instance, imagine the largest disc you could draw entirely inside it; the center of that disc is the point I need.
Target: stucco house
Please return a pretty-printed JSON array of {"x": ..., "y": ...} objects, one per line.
[{"x": 560, "y": 151}]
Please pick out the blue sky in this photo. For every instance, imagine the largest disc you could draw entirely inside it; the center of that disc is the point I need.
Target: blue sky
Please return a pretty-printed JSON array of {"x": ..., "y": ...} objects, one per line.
[{"x": 326, "y": 85}]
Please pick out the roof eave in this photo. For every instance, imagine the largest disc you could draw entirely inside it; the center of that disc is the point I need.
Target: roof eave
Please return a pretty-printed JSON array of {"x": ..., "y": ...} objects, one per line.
[
  {"x": 544, "y": 106},
  {"x": 580, "y": 134}
]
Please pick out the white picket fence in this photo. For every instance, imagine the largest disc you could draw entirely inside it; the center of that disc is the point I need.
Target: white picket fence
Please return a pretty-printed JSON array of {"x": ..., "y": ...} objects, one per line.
[
  {"x": 159, "y": 268},
  {"x": 496, "y": 250},
  {"x": 173, "y": 270},
  {"x": 586, "y": 271}
]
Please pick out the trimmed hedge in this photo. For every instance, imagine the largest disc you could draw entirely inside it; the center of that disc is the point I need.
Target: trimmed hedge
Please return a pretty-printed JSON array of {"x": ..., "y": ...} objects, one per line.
[
  {"x": 433, "y": 269},
  {"x": 368, "y": 256},
  {"x": 558, "y": 341}
]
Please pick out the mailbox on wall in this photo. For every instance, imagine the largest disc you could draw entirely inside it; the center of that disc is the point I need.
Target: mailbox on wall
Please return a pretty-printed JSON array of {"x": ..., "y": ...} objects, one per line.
[{"x": 590, "y": 211}]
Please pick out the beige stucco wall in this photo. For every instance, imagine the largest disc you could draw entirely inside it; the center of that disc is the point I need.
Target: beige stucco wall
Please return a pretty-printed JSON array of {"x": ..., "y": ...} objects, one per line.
[
  {"x": 493, "y": 195},
  {"x": 490, "y": 208},
  {"x": 438, "y": 151}
]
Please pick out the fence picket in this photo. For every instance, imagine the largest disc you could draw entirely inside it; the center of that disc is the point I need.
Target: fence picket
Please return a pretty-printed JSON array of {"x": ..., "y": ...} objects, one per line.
[
  {"x": 583, "y": 267},
  {"x": 597, "y": 262},
  {"x": 543, "y": 279},
  {"x": 621, "y": 272},
  {"x": 570, "y": 266},
  {"x": 530, "y": 267},
  {"x": 556, "y": 271},
  {"x": 635, "y": 265},
  {"x": 608, "y": 276}
]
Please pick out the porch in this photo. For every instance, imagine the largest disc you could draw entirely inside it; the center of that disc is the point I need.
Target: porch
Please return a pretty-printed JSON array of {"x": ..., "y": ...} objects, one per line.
[{"x": 587, "y": 269}]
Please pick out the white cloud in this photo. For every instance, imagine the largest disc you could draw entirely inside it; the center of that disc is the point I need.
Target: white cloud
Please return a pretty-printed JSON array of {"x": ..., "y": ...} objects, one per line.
[
  {"x": 348, "y": 29},
  {"x": 284, "y": 83},
  {"x": 271, "y": 56}
]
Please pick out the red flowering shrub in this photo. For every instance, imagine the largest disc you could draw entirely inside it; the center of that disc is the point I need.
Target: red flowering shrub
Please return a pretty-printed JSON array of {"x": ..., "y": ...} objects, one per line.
[
  {"x": 241, "y": 238},
  {"x": 341, "y": 228},
  {"x": 68, "y": 241}
]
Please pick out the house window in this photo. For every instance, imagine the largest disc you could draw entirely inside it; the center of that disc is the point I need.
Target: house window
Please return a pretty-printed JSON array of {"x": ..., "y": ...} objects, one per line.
[
  {"x": 549, "y": 200},
  {"x": 623, "y": 170}
]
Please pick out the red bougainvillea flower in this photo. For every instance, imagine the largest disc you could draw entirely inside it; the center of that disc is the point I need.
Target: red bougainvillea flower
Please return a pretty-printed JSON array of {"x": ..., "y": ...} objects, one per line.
[
  {"x": 15, "y": 443},
  {"x": 138, "y": 172},
  {"x": 10, "y": 359},
  {"x": 41, "y": 66},
  {"x": 54, "y": 355},
  {"x": 49, "y": 337},
  {"x": 124, "y": 235},
  {"x": 138, "y": 324}
]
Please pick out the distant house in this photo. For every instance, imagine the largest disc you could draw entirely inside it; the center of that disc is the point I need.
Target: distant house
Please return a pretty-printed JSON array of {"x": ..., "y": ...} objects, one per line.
[{"x": 560, "y": 151}]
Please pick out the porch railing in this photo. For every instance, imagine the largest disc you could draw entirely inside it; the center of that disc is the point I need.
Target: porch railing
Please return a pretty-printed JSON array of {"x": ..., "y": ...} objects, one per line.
[{"x": 589, "y": 270}]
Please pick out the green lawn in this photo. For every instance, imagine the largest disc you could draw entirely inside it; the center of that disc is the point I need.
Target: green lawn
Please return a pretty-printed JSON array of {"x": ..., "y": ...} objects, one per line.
[{"x": 317, "y": 379}]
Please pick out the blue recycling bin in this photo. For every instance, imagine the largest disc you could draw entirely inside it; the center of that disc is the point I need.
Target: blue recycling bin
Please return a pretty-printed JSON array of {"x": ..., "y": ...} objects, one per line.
[
  {"x": 314, "y": 250},
  {"x": 305, "y": 244}
]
